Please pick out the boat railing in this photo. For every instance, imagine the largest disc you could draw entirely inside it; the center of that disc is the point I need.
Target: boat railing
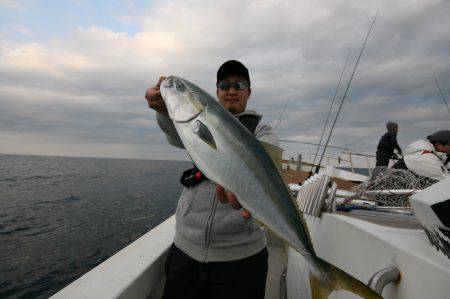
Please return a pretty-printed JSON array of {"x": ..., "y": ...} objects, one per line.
[
  {"x": 297, "y": 158},
  {"x": 136, "y": 271},
  {"x": 367, "y": 160}
]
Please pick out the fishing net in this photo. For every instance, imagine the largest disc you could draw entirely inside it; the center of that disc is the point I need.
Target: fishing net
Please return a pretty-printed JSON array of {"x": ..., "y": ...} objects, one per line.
[{"x": 384, "y": 178}]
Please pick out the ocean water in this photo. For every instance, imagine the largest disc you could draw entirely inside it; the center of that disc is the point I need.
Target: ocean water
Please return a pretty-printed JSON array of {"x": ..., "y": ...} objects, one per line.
[
  {"x": 62, "y": 216},
  {"x": 363, "y": 171}
]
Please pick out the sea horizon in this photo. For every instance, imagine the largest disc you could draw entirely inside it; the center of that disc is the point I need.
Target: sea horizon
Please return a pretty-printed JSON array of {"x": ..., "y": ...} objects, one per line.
[
  {"x": 91, "y": 157},
  {"x": 357, "y": 169}
]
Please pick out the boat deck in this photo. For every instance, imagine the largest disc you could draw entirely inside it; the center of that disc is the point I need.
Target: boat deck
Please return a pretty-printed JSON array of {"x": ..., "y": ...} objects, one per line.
[{"x": 277, "y": 265}]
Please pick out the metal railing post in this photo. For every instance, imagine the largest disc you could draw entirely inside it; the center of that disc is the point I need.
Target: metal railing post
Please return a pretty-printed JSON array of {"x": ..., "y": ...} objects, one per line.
[
  {"x": 368, "y": 166},
  {"x": 351, "y": 161}
]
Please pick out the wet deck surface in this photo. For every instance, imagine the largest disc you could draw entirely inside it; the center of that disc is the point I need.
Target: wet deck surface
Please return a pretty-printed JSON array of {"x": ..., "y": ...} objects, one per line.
[{"x": 385, "y": 218}]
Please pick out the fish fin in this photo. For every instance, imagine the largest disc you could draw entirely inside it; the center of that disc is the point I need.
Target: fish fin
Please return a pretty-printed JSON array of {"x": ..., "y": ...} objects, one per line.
[
  {"x": 317, "y": 291},
  {"x": 202, "y": 131},
  {"x": 338, "y": 280}
]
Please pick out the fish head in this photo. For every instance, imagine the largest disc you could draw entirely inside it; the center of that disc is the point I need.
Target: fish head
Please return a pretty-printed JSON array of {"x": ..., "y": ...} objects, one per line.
[{"x": 183, "y": 99}]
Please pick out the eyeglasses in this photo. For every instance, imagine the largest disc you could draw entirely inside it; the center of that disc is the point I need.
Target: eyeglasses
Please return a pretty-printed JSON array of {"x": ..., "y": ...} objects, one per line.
[{"x": 224, "y": 85}]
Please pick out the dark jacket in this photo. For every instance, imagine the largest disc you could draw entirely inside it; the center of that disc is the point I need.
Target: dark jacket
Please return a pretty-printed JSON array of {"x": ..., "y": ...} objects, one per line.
[{"x": 388, "y": 143}]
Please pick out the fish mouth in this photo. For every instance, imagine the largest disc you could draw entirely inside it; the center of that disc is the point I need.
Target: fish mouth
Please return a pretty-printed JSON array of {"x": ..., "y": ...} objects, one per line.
[
  {"x": 168, "y": 82},
  {"x": 182, "y": 104}
]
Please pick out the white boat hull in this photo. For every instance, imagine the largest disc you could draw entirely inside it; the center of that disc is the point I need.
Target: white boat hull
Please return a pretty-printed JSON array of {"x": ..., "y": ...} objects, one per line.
[
  {"x": 362, "y": 248},
  {"x": 137, "y": 271}
]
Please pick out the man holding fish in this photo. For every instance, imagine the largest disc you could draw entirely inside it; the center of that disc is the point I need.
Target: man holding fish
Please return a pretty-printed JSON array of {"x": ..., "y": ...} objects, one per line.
[
  {"x": 217, "y": 251},
  {"x": 223, "y": 254}
]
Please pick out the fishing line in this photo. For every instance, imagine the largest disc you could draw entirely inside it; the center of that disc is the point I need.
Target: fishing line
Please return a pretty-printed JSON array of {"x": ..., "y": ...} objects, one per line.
[
  {"x": 281, "y": 115},
  {"x": 442, "y": 94},
  {"x": 329, "y": 112},
  {"x": 346, "y": 91}
]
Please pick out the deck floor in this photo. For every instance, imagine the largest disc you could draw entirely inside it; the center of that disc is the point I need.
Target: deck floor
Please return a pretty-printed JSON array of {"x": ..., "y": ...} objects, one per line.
[{"x": 277, "y": 264}]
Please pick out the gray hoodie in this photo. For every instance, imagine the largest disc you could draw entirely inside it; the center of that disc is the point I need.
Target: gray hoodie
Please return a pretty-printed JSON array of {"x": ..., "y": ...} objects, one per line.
[{"x": 206, "y": 229}]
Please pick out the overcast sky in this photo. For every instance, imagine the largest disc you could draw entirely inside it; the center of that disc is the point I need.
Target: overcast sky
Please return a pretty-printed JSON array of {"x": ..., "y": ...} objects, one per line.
[{"x": 73, "y": 74}]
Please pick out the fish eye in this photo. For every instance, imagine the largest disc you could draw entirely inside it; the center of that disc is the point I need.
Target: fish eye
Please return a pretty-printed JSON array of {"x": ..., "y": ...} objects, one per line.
[{"x": 181, "y": 87}]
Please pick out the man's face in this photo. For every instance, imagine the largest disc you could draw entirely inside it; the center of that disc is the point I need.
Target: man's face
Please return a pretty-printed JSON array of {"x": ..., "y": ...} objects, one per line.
[
  {"x": 233, "y": 99},
  {"x": 442, "y": 148}
]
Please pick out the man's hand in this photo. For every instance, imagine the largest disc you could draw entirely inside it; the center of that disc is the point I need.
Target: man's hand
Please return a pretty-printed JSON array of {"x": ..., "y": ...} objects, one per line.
[
  {"x": 225, "y": 196},
  {"x": 154, "y": 98}
]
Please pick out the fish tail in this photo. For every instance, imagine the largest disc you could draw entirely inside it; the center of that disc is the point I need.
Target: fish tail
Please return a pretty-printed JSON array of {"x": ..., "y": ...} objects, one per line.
[{"x": 338, "y": 280}]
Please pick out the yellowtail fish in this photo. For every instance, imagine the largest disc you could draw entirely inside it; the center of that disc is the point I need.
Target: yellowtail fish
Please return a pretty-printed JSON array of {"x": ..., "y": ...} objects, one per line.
[{"x": 229, "y": 155}]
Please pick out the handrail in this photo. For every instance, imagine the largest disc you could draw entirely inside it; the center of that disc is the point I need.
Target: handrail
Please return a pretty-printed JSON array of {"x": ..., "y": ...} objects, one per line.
[
  {"x": 346, "y": 151},
  {"x": 346, "y": 193},
  {"x": 383, "y": 277},
  {"x": 359, "y": 154},
  {"x": 310, "y": 143},
  {"x": 392, "y": 191}
]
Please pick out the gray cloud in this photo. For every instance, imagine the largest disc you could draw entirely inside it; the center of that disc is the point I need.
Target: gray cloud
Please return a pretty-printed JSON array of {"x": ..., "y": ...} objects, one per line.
[{"x": 83, "y": 94}]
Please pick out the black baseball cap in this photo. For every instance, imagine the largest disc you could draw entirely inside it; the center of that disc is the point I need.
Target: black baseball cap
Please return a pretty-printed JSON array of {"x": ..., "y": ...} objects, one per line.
[
  {"x": 440, "y": 136},
  {"x": 233, "y": 67}
]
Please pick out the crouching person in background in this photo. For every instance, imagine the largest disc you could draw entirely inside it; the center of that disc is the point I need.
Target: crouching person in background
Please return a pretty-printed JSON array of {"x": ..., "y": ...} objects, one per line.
[{"x": 428, "y": 158}]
